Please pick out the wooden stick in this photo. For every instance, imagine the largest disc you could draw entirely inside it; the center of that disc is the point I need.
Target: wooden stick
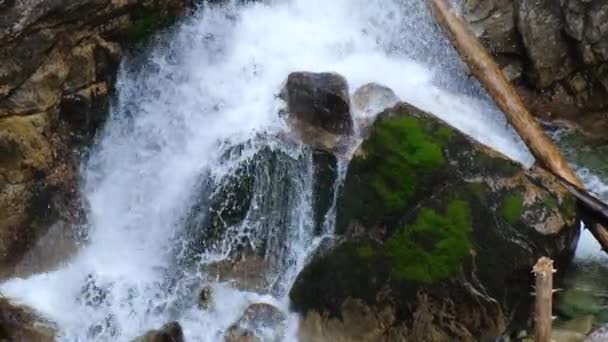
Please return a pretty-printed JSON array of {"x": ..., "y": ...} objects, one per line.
[
  {"x": 543, "y": 308},
  {"x": 490, "y": 75}
]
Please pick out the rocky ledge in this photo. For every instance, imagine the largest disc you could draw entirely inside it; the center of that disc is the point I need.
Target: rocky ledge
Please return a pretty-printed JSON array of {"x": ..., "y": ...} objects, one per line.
[
  {"x": 557, "y": 51},
  {"x": 57, "y": 67}
]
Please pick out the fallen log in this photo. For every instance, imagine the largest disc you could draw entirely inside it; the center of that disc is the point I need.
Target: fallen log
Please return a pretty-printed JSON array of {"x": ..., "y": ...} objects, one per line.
[{"x": 547, "y": 154}]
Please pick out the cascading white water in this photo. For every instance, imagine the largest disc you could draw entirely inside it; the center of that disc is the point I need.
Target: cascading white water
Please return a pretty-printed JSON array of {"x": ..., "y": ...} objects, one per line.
[{"x": 212, "y": 84}]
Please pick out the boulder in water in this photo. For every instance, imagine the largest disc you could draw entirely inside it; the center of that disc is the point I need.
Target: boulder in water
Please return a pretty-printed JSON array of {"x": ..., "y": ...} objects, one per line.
[
  {"x": 257, "y": 318},
  {"x": 370, "y": 99},
  {"x": 205, "y": 298},
  {"x": 373, "y": 98},
  {"x": 170, "y": 332},
  {"x": 433, "y": 226},
  {"x": 249, "y": 273},
  {"x": 237, "y": 334},
  {"x": 20, "y": 323},
  {"x": 318, "y": 108}
]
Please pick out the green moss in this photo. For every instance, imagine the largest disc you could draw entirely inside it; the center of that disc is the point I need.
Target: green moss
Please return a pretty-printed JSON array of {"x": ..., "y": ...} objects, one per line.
[
  {"x": 365, "y": 251},
  {"x": 476, "y": 188},
  {"x": 512, "y": 208},
  {"x": 146, "y": 24},
  {"x": 496, "y": 165},
  {"x": 569, "y": 206},
  {"x": 434, "y": 246},
  {"x": 400, "y": 150},
  {"x": 550, "y": 202},
  {"x": 445, "y": 133}
]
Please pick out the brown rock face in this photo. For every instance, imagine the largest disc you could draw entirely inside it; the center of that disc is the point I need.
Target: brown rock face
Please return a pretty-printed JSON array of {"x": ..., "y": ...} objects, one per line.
[
  {"x": 57, "y": 68},
  {"x": 563, "y": 46}
]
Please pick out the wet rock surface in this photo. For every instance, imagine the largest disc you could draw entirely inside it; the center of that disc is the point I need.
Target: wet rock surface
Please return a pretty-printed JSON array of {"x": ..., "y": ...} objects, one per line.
[
  {"x": 373, "y": 98},
  {"x": 57, "y": 69},
  {"x": 434, "y": 225},
  {"x": 231, "y": 217},
  {"x": 563, "y": 46},
  {"x": 256, "y": 322},
  {"x": 318, "y": 109},
  {"x": 19, "y": 323},
  {"x": 170, "y": 332}
]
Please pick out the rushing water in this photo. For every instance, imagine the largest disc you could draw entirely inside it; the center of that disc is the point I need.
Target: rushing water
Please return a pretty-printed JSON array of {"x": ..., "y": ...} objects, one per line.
[{"x": 203, "y": 89}]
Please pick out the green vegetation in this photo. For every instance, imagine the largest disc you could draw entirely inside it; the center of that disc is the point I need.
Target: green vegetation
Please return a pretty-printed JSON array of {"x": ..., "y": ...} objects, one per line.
[
  {"x": 569, "y": 206},
  {"x": 551, "y": 202},
  {"x": 445, "y": 133},
  {"x": 365, "y": 251},
  {"x": 146, "y": 24},
  {"x": 434, "y": 246},
  {"x": 496, "y": 165},
  {"x": 512, "y": 208},
  {"x": 400, "y": 150}
]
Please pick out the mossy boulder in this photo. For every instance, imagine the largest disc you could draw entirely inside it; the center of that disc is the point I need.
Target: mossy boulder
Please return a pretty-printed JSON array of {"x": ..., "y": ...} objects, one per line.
[{"x": 440, "y": 231}]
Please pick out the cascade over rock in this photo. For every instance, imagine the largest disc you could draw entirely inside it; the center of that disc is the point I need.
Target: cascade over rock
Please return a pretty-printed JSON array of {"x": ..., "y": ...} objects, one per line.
[
  {"x": 235, "y": 220},
  {"x": 57, "y": 68},
  {"x": 438, "y": 236}
]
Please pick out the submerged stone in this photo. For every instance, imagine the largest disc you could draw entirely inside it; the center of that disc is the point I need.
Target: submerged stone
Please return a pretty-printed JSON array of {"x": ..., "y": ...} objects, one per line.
[
  {"x": 170, "y": 332},
  {"x": 256, "y": 322}
]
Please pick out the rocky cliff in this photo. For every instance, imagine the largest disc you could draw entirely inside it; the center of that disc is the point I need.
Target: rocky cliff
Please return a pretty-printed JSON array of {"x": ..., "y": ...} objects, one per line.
[
  {"x": 556, "y": 50},
  {"x": 58, "y": 61}
]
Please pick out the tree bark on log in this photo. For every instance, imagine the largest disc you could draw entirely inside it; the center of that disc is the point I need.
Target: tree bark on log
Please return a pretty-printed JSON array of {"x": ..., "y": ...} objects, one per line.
[
  {"x": 547, "y": 154},
  {"x": 543, "y": 307}
]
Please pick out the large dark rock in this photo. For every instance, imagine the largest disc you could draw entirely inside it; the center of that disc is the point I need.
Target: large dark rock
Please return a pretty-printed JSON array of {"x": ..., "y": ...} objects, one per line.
[
  {"x": 434, "y": 225},
  {"x": 320, "y": 100},
  {"x": 57, "y": 68},
  {"x": 318, "y": 109}
]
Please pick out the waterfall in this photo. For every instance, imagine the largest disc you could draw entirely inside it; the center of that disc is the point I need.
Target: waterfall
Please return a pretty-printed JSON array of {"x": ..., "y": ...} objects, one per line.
[{"x": 182, "y": 107}]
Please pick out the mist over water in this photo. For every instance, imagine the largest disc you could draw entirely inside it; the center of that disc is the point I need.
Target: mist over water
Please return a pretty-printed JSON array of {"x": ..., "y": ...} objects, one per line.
[{"x": 205, "y": 87}]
